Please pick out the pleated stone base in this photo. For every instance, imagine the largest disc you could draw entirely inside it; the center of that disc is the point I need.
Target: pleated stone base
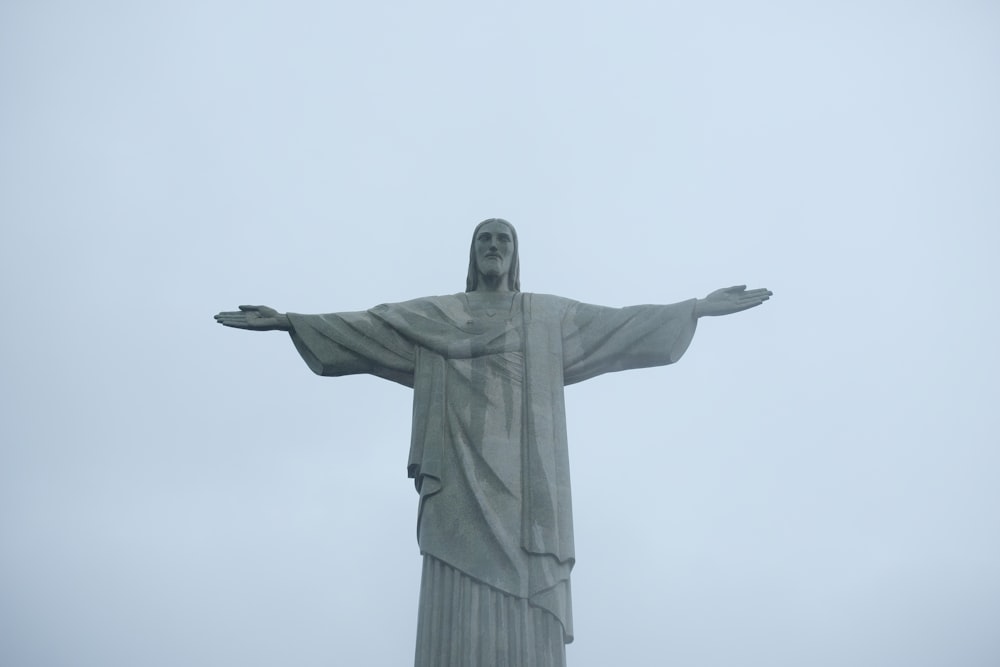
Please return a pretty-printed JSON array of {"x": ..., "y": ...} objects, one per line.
[{"x": 464, "y": 623}]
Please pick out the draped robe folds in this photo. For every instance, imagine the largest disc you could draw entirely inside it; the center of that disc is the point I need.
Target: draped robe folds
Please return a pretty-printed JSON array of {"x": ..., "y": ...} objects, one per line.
[{"x": 488, "y": 452}]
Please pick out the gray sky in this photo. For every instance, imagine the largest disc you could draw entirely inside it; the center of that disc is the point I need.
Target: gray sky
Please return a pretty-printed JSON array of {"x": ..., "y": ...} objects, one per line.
[{"x": 815, "y": 483}]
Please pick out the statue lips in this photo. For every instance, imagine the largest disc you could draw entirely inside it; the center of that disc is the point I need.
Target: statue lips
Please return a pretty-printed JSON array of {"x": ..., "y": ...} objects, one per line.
[{"x": 495, "y": 257}]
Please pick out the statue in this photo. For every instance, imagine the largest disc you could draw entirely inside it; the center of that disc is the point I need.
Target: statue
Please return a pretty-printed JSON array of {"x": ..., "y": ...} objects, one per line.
[{"x": 488, "y": 452}]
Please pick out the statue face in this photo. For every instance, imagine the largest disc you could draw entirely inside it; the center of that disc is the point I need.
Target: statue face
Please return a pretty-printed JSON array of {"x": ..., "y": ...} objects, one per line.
[{"x": 494, "y": 248}]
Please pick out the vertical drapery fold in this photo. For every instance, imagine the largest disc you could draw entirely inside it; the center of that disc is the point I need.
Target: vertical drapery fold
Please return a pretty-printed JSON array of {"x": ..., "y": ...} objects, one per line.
[{"x": 464, "y": 623}]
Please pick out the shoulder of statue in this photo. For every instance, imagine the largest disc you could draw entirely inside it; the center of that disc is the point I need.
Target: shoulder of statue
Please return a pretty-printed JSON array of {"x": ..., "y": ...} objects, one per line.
[
  {"x": 450, "y": 307},
  {"x": 548, "y": 305},
  {"x": 421, "y": 303},
  {"x": 550, "y": 299}
]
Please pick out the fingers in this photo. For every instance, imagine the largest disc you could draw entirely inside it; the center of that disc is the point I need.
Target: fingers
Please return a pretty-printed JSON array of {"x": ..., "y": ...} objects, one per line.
[
  {"x": 742, "y": 293},
  {"x": 233, "y": 319},
  {"x": 743, "y": 288},
  {"x": 756, "y": 295},
  {"x": 752, "y": 299},
  {"x": 756, "y": 298}
]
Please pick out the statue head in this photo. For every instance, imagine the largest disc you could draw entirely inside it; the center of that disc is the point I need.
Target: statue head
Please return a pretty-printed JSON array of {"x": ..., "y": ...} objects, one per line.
[{"x": 513, "y": 269}]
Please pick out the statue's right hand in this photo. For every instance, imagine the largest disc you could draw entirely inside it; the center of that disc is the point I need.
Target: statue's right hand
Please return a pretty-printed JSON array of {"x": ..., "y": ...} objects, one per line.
[{"x": 255, "y": 318}]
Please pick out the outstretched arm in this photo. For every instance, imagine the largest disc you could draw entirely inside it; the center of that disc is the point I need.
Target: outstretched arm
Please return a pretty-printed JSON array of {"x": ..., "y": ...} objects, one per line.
[
  {"x": 729, "y": 300},
  {"x": 255, "y": 318}
]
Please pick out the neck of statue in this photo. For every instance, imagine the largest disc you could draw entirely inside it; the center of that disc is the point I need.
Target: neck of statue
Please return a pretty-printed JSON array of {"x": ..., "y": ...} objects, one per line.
[{"x": 492, "y": 284}]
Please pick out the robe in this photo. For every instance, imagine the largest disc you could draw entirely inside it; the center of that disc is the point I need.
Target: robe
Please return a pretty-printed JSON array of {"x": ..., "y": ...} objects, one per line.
[{"x": 488, "y": 452}]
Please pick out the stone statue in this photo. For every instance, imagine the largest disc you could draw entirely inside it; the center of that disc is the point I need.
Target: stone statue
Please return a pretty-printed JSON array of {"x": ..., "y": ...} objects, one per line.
[{"x": 488, "y": 452}]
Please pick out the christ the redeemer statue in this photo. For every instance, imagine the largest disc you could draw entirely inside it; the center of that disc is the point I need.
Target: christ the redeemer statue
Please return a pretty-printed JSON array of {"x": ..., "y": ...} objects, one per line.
[{"x": 488, "y": 452}]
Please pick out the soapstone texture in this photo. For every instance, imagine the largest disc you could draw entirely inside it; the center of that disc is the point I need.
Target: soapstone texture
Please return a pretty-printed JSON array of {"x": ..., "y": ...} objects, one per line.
[{"x": 488, "y": 451}]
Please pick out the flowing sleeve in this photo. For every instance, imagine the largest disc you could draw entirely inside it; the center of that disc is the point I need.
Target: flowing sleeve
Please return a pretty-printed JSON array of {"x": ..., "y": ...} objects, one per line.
[
  {"x": 597, "y": 339},
  {"x": 351, "y": 343}
]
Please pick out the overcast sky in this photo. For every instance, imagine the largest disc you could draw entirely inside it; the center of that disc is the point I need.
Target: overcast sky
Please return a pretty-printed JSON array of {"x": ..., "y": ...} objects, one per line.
[{"x": 814, "y": 484}]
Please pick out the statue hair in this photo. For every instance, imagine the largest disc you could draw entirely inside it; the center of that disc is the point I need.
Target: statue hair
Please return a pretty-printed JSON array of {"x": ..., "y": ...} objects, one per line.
[{"x": 513, "y": 275}]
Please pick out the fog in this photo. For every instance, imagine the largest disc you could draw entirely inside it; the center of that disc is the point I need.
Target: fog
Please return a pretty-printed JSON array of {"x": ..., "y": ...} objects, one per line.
[{"x": 814, "y": 483}]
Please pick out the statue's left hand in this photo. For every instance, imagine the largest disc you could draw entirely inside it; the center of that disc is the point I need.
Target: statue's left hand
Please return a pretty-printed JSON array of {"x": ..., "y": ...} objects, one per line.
[
  {"x": 255, "y": 318},
  {"x": 730, "y": 300}
]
